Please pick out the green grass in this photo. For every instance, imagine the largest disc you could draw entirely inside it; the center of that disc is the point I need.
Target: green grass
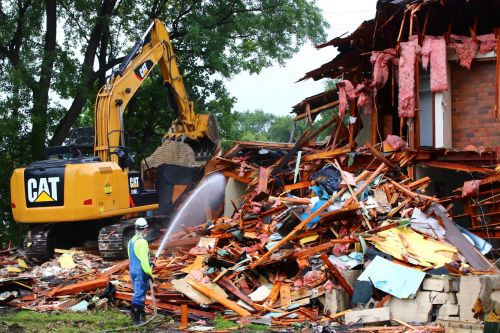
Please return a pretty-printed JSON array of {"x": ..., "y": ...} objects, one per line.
[
  {"x": 67, "y": 322},
  {"x": 25, "y": 321},
  {"x": 224, "y": 324}
]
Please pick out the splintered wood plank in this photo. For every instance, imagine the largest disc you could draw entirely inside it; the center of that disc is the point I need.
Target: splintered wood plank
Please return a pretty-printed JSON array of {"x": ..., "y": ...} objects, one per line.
[
  {"x": 412, "y": 194},
  {"x": 327, "y": 154},
  {"x": 167, "y": 306},
  {"x": 296, "y": 186},
  {"x": 234, "y": 175},
  {"x": 83, "y": 286},
  {"x": 301, "y": 225},
  {"x": 321, "y": 247},
  {"x": 285, "y": 295},
  {"x": 217, "y": 297},
  {"x": 273, "y": 296},
  {"x": 458, "y": 167},
  {"x": 226, "y": 283},
  {"x": 359, "y": 190},
  {"x": 419, "y": 183},
  {"x": 349, "y": 208},
  {"x": 263, "y": 180},
  {"x": 115, "y": 268},
  {"x": 184, "y": 317},
  {"x": 337, "y": 274}
]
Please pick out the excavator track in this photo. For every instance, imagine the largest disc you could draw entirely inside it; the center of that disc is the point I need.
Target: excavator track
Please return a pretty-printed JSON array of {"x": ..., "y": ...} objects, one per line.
[
  {"x": 37, "y": 245},
  {"x": 113, "y": 240}
]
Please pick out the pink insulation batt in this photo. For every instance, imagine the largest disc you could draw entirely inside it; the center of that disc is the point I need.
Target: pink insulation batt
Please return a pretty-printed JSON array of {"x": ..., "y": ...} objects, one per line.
[
  {"x": 409, "y": 50},
  {"x": 488, "y": 43},
  {"x": 381, "y": 61},
  {"x": 434, "y": 49},
  {"x": 346, "y": 94},
  {"x": 466, "y": 49},
  {"x": 365, "y": 99}
]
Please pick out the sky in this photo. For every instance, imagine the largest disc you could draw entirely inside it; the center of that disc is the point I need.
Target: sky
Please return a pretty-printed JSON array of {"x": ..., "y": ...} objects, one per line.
[{"x": 274, "y": 90}]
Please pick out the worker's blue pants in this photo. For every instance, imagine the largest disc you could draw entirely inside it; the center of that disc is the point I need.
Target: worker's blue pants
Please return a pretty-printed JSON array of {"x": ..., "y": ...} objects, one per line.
[{"x": 140, "y": 281}]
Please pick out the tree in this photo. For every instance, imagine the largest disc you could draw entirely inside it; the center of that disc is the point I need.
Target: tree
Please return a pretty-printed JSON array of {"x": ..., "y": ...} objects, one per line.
[{"x": 58, "y": 53}]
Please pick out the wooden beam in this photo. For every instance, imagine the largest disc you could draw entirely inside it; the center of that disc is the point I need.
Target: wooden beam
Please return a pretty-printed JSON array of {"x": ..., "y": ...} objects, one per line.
[
  {"x": 217, "y": 297},
  {"x": 184, "y": 317},
  {"x": 412, "y": 194},
  {"x": 327, "y": 154},
  {"x": 166, "y": 306},
  {"x": 115, "y": 268},
  {"x": 227, "y": 284},
  {"x": 83, "y": 286},
  {"x": 297, "y": 186},
  {"x": 457, "y": 167},
  {"x": 301, "y": 225},
  {"x": 378, "y": 155},
  {"x": 359, "y": 190},
  {"x": 349, "y": 208},
  {"x": 304, "y": 222},
  {"x": 347, "y": 287},
  {"x": 318, "y": 109},
  {"x": 322, "y": 247},
  {"x": 285, "y": 296}
]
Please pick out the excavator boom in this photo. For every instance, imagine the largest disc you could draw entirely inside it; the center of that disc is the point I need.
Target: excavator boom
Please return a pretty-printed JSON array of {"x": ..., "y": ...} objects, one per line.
[{"x": 113, "y": 97}]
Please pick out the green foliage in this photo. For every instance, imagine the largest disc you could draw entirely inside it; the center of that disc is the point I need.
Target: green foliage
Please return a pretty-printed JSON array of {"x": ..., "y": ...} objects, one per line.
[
  {"x": 213, "y": 40},
  {"x": 260, "y": 126}
]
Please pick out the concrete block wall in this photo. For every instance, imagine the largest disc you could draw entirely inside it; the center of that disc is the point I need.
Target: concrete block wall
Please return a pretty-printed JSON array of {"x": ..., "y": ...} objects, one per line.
[{"x": 446, "y": 298}]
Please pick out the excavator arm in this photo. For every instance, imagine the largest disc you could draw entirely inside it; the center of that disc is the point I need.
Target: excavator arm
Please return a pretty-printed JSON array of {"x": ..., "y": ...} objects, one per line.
[{"x": 199, "y": 129}]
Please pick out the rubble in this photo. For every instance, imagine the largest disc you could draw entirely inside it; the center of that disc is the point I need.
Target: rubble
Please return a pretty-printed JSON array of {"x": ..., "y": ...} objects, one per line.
[
  {"x": 318, "y": 239},
  {"x": 338, "y": 234}
]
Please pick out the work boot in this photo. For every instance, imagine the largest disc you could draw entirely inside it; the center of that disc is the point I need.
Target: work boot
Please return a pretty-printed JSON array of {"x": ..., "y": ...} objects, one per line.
[
  {"x": 136, "y": 314},
  {"x": 142, "y": 314}
]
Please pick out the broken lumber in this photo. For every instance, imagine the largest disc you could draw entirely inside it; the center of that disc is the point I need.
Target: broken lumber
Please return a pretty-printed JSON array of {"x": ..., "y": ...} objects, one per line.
[{"x": 217, "y": 297}]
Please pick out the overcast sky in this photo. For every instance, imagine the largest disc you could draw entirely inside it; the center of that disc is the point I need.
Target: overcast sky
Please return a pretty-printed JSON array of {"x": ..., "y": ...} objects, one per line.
[{"x": 274, "y": 90}]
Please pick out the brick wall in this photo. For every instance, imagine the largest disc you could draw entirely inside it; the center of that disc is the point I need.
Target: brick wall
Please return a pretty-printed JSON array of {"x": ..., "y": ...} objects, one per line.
[{"x": 473, "y": 105}]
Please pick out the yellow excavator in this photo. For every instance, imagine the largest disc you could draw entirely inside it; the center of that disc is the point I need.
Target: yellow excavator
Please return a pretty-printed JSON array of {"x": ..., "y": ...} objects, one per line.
[{"x": 73, "y": 197}]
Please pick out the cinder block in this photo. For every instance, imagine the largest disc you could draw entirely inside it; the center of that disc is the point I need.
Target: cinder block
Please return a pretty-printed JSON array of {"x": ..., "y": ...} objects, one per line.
[
  {"x": 437, "y": 297},
  {"x": 336, "y": 300},
  {"x": 466, "y": 312},
  {"x": 452, "y": 298},
  {"x": 412, "y": 310},
  {"x": 433, "y": 284},
  {"x": 447, "y": 310},
  {"x": 368, "y": 316},
  {"x": 470, "y": 283},
  {"x": 451, "y": 283},
  {"x": 466, "y": 299}
]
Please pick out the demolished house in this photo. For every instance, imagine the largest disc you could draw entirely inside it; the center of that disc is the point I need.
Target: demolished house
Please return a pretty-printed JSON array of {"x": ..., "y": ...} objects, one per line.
[{"x": 389, "y": 224}]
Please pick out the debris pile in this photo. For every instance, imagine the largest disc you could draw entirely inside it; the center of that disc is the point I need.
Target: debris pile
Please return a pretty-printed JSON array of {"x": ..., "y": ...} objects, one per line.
[{"x": 331, "y": 236}]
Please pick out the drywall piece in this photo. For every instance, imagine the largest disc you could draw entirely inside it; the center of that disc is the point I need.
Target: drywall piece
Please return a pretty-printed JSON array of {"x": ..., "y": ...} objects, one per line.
[{"x": 394, "y": 279}]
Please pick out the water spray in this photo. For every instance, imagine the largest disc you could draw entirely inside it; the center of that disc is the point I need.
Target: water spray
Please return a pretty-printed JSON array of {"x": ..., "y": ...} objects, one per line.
[{"x": 208, "y": 194}]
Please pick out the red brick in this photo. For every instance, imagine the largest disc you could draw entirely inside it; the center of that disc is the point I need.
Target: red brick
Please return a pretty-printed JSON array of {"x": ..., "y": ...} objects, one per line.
[{"x": 473, "y": 103}]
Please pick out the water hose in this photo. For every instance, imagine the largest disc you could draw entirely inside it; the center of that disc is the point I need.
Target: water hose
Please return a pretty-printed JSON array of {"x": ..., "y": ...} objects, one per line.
[{"x": 155, "y": 313}]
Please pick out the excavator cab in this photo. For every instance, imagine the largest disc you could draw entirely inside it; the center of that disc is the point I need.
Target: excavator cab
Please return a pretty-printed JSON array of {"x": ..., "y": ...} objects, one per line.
[{"x": 80, "y": 143}]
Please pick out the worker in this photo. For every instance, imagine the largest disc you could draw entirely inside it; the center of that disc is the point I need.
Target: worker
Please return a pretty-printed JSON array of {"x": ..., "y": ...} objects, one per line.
[{"x": 140, "y": 269}]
